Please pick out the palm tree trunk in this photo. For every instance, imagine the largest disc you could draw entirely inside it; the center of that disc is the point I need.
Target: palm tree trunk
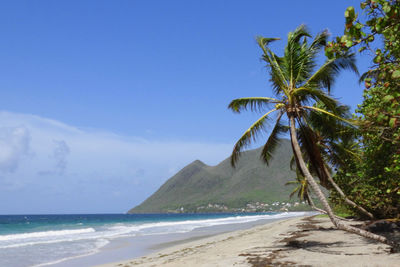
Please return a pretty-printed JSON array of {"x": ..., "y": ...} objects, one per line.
[
  {"x": 348, "y": 201},
  {"x": 336, "y": 222}
]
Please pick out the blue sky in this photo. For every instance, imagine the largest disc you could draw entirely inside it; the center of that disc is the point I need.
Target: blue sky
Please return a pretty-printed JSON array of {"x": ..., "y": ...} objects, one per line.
[{"x": 102, "y": 101}]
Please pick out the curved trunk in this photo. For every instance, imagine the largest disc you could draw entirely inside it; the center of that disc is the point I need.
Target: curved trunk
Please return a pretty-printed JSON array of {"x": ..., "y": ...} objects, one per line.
[
  {"x": 348, "y": 201},
  {"x": 339, "y": 224}
]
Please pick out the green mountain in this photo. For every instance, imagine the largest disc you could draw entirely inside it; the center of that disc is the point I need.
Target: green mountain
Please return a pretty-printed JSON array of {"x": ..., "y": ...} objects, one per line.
[{"x": 198, "y": 187}]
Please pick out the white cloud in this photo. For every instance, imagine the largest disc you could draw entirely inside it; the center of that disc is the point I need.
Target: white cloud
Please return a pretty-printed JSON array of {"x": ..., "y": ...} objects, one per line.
[
  {"x": 59, "y": 155},
  {"x": 80, "y": 164},
  {"x": 14, "y": 147}
]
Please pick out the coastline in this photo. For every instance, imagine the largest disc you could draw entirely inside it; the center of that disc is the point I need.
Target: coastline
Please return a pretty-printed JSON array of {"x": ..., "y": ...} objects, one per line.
[
  {"x": 307, "y": 241},
  {"x": 127, "y": 247}
]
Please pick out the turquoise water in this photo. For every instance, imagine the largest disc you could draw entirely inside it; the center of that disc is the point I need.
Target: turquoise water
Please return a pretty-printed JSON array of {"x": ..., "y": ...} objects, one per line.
[
  {"x": 38, "y": 240},
  {"x": 13, "y": 224}
]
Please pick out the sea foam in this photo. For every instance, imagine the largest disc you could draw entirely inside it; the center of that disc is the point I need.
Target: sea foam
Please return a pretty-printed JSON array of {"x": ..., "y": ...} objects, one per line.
[{"x": 45, "y": 234}]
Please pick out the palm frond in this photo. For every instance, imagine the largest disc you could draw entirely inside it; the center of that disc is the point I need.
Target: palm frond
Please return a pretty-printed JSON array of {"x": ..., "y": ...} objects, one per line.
[
  {"x": 297, "y": 189},
  {"x": 248, "y": 136},
  {"x": 273, "y": 63},
  {"x": 304, "y": 93},
  {"x": 319, "y": 41},
  {"x": 252, "y": 103},
  {"x": 297, "y": 55},
  {"x": 291, "y": 182},
  {"x": 339, "y": 151},
  {"x": 297, "y": 34},
  {"x": 273, "y": 140},
  {"x": 348, "y": 121},
  {"x": 327, "y": 127},
  {"x": 325, "y": 76},
  {"x": 264, "y": 41},
  {"x": 303, "y": 63}
]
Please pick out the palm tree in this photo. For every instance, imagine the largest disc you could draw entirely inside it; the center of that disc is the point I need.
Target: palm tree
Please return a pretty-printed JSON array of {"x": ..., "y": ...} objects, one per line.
[{"x": 296, "y": 86}]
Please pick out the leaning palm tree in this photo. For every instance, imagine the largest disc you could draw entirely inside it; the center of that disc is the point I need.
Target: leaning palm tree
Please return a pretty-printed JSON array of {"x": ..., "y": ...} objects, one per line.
[{"x": 296, "y": 87}]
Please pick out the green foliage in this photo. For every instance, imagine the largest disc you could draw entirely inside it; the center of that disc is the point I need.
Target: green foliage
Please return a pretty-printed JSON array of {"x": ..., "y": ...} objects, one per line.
[
  {"x": 374, "y": 182},
  {"x": 297, "y": 84},
  {"x": 343, "y": 210}
]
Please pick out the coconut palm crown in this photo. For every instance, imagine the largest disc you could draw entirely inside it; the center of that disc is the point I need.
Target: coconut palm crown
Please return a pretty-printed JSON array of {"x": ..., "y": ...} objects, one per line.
[{"x": 296, "y": 85}]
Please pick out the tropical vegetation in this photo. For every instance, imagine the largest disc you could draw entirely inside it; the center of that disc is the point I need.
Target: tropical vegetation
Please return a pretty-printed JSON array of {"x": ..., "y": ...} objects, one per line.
[
  {"x": 302, "y": 95},
  {"x": 375, "y": 177}
]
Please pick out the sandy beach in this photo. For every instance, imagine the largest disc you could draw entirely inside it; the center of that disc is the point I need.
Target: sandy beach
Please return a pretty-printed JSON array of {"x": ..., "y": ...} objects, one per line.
[{"x": 306, "y": 241}]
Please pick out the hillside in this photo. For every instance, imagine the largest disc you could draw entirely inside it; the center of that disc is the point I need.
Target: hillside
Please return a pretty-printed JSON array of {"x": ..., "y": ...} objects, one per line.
[{"x": 197, "y": 185}]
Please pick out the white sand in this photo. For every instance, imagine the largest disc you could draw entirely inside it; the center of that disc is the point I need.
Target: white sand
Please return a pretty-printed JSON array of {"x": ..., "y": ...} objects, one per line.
[{"x": 312, "y": 242}]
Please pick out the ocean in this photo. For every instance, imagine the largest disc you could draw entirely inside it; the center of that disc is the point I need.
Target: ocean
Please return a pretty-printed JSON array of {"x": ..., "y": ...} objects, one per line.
[{"x": 41, "y": 240}]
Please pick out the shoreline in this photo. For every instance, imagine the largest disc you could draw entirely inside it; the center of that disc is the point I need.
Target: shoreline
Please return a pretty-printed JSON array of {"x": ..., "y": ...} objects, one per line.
[
  {"x": 307, "y": 241},
  {"x": 126, "y": 248}
]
